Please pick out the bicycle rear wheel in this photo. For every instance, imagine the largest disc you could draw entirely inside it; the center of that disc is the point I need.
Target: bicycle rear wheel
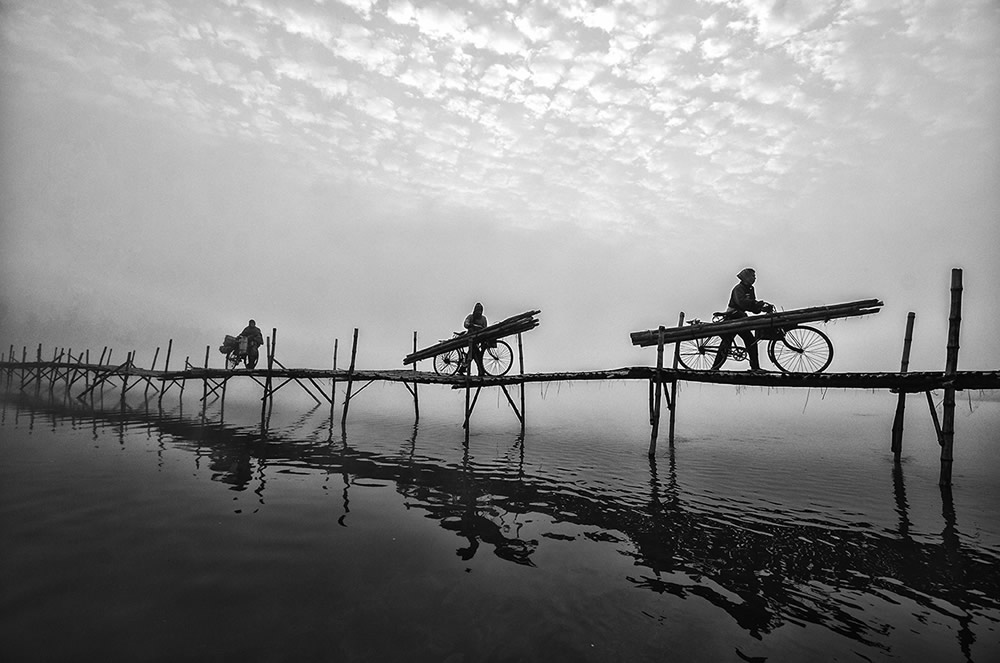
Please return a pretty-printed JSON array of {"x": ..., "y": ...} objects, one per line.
[
  {"x": 232, "y": 359},
  {"x": 698, "y": 354},
  {"x": 802, "y": 350},
  {"x": 498, "y": 359},
  {"x": 447, "y": 363}
]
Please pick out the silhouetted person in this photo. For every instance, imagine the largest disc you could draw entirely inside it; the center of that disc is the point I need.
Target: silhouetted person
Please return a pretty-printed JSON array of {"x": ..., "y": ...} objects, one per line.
[
  {"x": 254, "y": 340},
  {"x": 742, "y": 302},
  {"x": 474, "y": 322}
]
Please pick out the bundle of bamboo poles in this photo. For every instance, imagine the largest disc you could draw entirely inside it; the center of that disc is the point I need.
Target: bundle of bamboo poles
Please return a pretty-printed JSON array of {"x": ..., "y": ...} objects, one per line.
[
  {"x": 780, "y": 319},
  {"x": 512, "y": 325}
]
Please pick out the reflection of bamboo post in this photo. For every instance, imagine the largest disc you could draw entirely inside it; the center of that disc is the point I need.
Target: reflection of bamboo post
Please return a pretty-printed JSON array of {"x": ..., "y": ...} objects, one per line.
[
  {"x": 951, "y": 367},
  {"x": 904, "y": 365},
  {"x": 673, "y": 385},
  {"x": 659, "y": 391},
  {"x": 350, "y": 376}
]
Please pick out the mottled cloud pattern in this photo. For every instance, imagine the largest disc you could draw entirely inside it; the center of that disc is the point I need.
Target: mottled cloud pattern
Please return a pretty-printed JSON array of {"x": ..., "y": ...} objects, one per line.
[{"x": 615, "y": 115}]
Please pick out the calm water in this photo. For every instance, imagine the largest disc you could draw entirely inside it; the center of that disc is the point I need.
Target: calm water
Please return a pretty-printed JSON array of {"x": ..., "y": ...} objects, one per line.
[{"x": 777, "y": 528}]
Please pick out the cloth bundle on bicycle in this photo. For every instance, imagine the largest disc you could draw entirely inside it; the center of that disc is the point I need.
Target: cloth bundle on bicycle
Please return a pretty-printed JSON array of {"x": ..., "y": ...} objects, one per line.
[{"x": 228, "y": 344}]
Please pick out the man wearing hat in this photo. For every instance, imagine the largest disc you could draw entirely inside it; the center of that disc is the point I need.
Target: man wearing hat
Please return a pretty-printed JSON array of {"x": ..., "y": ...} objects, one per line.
[{"x": 742, "y": 301}]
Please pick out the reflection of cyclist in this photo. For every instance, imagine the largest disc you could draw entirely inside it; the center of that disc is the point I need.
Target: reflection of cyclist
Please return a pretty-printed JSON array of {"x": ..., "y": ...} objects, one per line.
[
  {"x": 474, "y": 322},
  {"x": 254, "y": 340},
  {"x": 742, "y": 301}
]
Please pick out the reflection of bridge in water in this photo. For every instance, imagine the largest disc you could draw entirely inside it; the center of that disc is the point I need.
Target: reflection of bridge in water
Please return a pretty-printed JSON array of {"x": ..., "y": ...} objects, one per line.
[{"x": 763, "y": 574}]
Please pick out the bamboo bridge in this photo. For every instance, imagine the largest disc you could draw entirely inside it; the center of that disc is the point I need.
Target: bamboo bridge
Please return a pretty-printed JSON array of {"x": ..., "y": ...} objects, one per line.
[{"x": 77, "y": 372}]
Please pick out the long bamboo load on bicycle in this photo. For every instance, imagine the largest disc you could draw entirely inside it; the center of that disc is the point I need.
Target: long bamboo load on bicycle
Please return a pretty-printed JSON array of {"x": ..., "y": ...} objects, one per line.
[
  {"x": 487, "y": 337},
  {"x": 697, "y": 329},
  {"x": 792, "y": 346}
]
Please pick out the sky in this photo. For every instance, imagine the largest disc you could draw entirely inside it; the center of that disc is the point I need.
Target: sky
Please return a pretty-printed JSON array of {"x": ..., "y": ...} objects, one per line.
[{"x": 169, "y": 170}]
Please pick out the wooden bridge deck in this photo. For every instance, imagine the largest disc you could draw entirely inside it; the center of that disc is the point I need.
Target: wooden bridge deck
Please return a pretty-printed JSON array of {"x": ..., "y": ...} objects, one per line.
[{"x": 903, "y": 382}]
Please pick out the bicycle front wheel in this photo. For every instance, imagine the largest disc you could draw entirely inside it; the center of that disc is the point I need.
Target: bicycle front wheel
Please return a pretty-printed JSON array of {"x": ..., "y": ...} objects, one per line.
[
  {"x": 498, "y": 359},
  {"x": 447, "y": 363},
  {"x": 802, "y": 350},
  {"x": 698, "y": 354}
]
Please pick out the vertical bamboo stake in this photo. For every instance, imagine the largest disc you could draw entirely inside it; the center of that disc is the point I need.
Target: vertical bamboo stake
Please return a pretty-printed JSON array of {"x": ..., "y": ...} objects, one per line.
[
  {"x": 350, "y": 376},
  {"x": 468, "y": 382},
  {"x": 951, "y": 367},
  {"x": 149, "y": 381},
  {"x": 416, "y": 399},
  {"x": 204, "y": 389},
  {"x": 673, "y": 385},
  {"x": 333, "y": 381},
  {"x": 38, "y": 369},
  {"x": 24, "y": 360},
  {"x": 166, "y": 367},
  {"x": 268, "y": 394},
  {"x": 904, "y": 365},
  {"x": 520, "y": 361},
  {"x": 659, "y": 390},
  {"x": 128, "y": 367}
]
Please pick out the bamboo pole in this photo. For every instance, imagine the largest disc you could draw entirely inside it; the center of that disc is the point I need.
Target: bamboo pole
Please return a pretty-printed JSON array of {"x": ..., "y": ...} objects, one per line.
[
  {"x": 656, "y": 399},
  {"x": 520, "y": 361},
  {"x": 350, "y": 376},
  {"x": 468, "y": 381},
  {"x": 24, "y": 360},
  {"x": 416, "y": 397},
  {"x": 166, "y": 367},
  {"x": 268, "y": 394},
  {"x": 904, "y": 365},
  {"x": 951, "y": 367},
  {"x": 204, "y": 390},
  {"x": 152, "y": 367},
  {"x": 673, "y": 384},
  {"x": 333, "y": 381}
]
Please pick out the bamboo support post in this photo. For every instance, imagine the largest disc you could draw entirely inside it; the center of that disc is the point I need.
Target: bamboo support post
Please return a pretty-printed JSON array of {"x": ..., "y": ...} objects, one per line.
[
  {"x": 468, "y": 385},
  {"x": 152, "y": 367},
  {"x": 904, "y": 365},
  {"x": 268, "y": 394},
  {"x": 350, "y": 376},
  {"x": 673, "y": 384},
  {"x": 416, "y": 396},
  {"x": 333, "y": 381},
  {"x": 520, "y": 363},
  {"x": 166, "y": 367},
  {"x": 951, "y": 367},
  {"x": 656, "y": 399},
  {"x": 204, "y": 389}
]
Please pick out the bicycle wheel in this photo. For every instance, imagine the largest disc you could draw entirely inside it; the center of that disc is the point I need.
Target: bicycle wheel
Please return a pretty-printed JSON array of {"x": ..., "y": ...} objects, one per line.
[
  {"x": 498, "y": 359},
  {"x": 802, "y": 350},
  {"x": 232, "y": 359},
  {"x": 698, "y": 354},
  {"x": 447, "y": 363}
]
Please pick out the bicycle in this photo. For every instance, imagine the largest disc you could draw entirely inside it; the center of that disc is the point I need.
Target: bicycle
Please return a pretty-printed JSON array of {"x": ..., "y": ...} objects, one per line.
[
  {"x": 497, "y": 359},
  {"x": 793, "y": 349}
]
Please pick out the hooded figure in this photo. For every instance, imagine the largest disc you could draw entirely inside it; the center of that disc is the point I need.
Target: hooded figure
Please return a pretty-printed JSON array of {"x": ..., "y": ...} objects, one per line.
[{"x": 742, "y": 301}]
